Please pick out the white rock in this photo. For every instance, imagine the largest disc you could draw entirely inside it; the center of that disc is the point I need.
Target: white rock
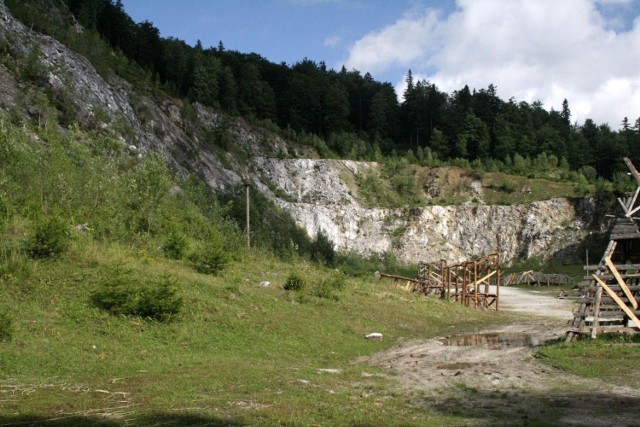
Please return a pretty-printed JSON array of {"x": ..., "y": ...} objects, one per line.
[
  {"x": 375, "y": 336},
  {"x": 264, "y": 284},
  {"x": 328, "y": 371}
]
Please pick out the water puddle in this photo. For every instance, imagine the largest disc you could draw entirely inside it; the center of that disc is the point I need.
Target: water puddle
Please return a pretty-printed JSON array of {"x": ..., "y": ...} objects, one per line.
[{"x": 495, "y": 340}]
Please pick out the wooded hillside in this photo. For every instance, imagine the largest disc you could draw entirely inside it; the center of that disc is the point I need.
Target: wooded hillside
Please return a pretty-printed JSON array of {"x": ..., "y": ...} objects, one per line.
[{"x": 344, "y": 113}]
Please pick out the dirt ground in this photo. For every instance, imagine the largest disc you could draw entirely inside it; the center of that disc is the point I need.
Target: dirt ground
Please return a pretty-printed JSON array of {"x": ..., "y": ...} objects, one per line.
[{"x": 494, "y": 377}]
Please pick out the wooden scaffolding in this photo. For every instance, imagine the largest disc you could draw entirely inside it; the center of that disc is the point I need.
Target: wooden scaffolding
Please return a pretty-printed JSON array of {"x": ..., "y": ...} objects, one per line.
[
  {"x": 610, "y": 292},
  {"x": 472, "y": 283}
]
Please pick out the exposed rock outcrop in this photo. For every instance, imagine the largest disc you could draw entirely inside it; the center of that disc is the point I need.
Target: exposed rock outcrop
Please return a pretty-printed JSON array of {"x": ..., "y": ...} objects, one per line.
[{"x": 315, "y": 194}]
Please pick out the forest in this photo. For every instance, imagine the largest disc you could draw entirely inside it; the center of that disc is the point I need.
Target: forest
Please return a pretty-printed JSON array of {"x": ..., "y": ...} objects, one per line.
[{"x": 346, "y": 114}]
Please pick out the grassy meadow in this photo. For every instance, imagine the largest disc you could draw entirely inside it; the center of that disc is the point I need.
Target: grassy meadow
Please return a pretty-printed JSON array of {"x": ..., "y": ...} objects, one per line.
[
  {"x": 236, "y": 354},
  {"x": 127, "y": 297}
]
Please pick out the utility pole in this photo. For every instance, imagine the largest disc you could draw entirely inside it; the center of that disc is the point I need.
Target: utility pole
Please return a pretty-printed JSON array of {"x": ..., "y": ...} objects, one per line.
[{"x": 246, "y": 185}]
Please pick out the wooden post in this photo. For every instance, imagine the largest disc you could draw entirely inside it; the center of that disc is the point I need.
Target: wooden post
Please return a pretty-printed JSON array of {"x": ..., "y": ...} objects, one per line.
[
  {"x": 596, "y": 313},
  {"x": 246, "y": 185},
  {"x": 475, "y": 284},
  {"x": 498, "y": 283}
]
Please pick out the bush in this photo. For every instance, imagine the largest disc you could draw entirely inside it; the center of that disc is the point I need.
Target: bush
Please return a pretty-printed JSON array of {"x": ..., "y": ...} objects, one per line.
[
  {"x": 322, "y": 250},
  {"x": 294, "y": 282},
  {"x": 327, "y": 288},
  {"x": 117, "y": 299},
  {"x": 159, "y": 302},
  {"x": 50, "y": 239},
  {"x": 6, "y": 327},
  {"x": 175, "y": 246},
  {"x": 209, "y": 258},
  {"x": 156, "y": 301}
]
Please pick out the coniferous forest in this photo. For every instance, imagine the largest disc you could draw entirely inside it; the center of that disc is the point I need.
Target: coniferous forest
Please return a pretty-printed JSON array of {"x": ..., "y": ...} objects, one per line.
[{"x": 347, "y": 114}]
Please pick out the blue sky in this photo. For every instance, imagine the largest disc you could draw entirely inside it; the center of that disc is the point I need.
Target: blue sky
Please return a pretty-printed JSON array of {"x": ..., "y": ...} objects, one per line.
[{"x": 587, "y": 51}]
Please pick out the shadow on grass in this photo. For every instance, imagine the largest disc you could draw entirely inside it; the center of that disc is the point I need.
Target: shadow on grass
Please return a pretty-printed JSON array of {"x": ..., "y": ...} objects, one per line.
[
  {"x": 143, "y": 420},
  {"x": 514, "y": 407}
]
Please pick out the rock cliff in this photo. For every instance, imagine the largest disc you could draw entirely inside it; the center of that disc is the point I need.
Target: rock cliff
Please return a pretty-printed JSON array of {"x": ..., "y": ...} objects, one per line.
[
  {"x": 316, "y": 195},
  {"x": 314, "y": 192}
]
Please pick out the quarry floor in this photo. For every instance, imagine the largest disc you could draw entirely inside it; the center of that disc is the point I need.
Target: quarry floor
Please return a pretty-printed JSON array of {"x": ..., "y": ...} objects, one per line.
[{"x": 494, "y": 377}]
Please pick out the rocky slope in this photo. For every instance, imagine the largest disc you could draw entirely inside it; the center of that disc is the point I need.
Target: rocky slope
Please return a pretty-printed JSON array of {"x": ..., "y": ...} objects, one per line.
[
  {"x": 319, "y": 199},
  {"x": 314, "y": 192}
]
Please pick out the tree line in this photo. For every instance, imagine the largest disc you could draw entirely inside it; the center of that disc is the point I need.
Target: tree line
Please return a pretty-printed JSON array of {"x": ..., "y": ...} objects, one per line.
[{"x": 355, "y": 115}]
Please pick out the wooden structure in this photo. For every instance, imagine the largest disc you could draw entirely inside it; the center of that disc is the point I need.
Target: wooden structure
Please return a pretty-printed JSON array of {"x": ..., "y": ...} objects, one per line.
[
  {"x": 405, "y": 283},
  {"x": 430, "y": 277},
  {"x": 472, "y": 283},
  {"x": 610, "y": 293},
  {"x": 537, "y": 278}
]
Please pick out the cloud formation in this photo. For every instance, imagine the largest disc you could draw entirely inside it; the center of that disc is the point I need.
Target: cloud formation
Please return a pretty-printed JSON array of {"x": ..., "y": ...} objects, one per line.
[{"x": 545, "y": 50}]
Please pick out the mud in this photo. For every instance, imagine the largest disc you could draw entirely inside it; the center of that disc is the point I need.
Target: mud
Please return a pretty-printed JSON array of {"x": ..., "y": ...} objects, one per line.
[{"x": 488, "y": 384}]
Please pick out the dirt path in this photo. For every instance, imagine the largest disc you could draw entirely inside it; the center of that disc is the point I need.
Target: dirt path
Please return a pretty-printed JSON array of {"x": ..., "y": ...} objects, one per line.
[{"x": 495, "y": 378}]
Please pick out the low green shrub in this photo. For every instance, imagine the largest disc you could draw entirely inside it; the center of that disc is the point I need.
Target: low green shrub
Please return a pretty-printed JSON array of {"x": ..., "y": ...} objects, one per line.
[
  {"x": 175, "y": 246},
  {"x": 322, "y": 250},
  {"x": 294, "y": 282},
  {"x": 209, "y": 257},
  {"x": 116, "y": 298},
  {"x": 160, "y": 302},
  {"x": 328, "y": 287},
  {"x": 51, "y": 238},
  {"x": 6, "y": 327},
  {"x": 155, "y": 301}
]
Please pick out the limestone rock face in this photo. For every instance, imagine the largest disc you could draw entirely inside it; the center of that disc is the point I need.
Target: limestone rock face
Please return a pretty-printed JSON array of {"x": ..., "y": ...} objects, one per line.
[{"x": 315, "y": 194}]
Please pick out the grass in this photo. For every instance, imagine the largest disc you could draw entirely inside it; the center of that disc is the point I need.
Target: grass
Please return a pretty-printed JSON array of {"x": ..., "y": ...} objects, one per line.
[
  {"x": 238, "y": 353},
  {"x": 612, "y": 357},
  {"x": 501, "y": 189}
]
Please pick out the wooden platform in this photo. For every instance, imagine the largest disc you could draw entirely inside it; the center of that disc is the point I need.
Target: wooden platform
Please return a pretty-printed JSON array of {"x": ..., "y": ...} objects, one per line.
[{"x": 611, "y": 291}]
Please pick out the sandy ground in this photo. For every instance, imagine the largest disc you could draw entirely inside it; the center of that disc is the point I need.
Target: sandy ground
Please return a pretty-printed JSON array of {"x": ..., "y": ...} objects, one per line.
[{"x": 496, "y": 378}]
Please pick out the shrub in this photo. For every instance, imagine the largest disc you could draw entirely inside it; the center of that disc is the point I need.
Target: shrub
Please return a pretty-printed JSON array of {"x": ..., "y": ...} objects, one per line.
[
  {"x": 51, "y": 238},
  {"x": 156, "y": 301},
  {"x": 327, "y": 288},
  {"x": 209, "y": 258},
  {"x": 294, "y": 282},
  {"x": 160, "y": 302},
  {"x": 322, "y": 250},
  {"x": 117, "y": 299},
  {"x": 175, "y": 246},
  {"x": 6, "y": 327}
]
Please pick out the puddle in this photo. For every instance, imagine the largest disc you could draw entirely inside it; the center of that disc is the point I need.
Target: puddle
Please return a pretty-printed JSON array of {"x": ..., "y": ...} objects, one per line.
[{"x": 494, "y": 340}]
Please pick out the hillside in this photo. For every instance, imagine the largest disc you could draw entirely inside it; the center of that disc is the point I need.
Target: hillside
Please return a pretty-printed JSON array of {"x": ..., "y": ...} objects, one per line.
[
  {"x": 392, "y": 206},
  {"x": 128, "y": 295}
]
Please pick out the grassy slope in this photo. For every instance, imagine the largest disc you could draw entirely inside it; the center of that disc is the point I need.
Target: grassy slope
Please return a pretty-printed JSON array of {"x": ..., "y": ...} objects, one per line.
[
  {"x": 612, "y": 358},
  {"x": 239, "y": 353}
]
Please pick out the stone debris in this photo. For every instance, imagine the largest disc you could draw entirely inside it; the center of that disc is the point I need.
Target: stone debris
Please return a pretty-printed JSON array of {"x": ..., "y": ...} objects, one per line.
[
  {"x": 374, "y": 336},
  {"x": 328, "y": 371}
]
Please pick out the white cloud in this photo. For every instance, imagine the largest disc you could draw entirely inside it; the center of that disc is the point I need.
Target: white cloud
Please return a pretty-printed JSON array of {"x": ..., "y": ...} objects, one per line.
[
  {"x": 544, "y": 50},
  {"x": 332, "y": 41}
]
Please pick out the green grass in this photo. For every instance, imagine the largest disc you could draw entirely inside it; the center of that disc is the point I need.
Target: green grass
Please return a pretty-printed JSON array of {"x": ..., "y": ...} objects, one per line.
[
  {"x": 611, "y": 357},
  {"x": 500, "y": 189},
  {"x": 237, "y": 354}
]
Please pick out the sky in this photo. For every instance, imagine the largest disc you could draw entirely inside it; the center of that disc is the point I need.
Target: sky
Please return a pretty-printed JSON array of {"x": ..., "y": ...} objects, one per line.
[{"x": 585, "y": 51}]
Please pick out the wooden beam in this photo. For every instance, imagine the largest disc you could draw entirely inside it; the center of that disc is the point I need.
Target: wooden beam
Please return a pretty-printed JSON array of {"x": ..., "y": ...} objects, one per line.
[
  {"x": 617, "y": 299},
  {"x": 624, "y": 206},
  {"x": 621, "y": 282},
  {"x": 484, "y": 279},
  {"x": 596, "y": 314},
  {"x": 631, "y": 212},
  {"x": 633, "y": 170}
]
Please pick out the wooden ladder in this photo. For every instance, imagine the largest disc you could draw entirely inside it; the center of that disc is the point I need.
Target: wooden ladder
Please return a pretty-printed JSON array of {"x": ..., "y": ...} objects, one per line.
[{"x": 586, "y": 307}]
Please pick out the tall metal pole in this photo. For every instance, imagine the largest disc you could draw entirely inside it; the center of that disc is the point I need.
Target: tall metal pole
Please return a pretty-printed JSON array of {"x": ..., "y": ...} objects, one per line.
[{"x": 246, "y": 185}]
